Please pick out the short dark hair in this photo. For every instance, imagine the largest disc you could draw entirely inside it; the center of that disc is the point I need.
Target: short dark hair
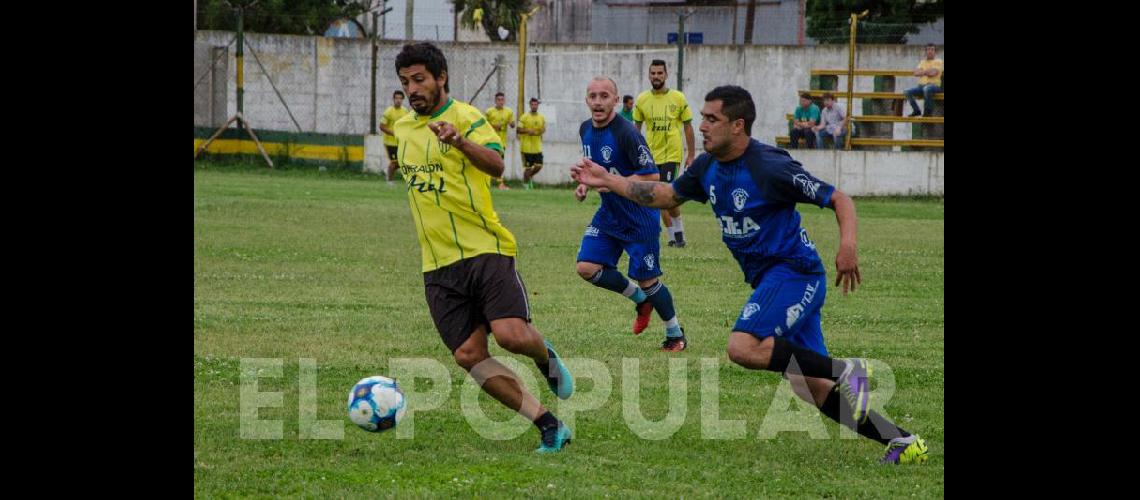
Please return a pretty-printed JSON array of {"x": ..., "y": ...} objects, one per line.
[
  {"x": 626, "y": 98},
  {"x": 499, "y": 94},
  {"x": 658, "y": 62},
  {"x": 398, "y": 93},
  {"x": 426, "y": 54},
  {"x": 930, "y": 45},
  {"x": 736, "y": 104},
  {"x": 827, "y": 95},
  {"x": 805, "y": 95},
  {"x": 534, "y": 99}
]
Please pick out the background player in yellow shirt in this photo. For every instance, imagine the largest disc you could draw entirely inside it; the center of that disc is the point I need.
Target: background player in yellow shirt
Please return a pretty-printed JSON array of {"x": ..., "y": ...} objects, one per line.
[
  {"x": 929, "y": 73},
  {"x": 447, "y": 154},
  {"x": 500, "y": 117},
  {"x": 666, "y": 110},
  {"x": 393, "y": 113},
  {"x": 531, "y": 127}
]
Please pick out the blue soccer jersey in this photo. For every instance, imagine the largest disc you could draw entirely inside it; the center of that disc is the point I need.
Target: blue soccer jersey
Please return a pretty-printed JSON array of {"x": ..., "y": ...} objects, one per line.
[
  {"x": 754, "y": 199},
  {"x": 619, "y": 148}
]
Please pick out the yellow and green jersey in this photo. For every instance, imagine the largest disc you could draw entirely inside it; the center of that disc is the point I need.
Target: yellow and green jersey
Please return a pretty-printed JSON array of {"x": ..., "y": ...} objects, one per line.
[
  {"x": 390, "y": 116},
  {"x": 664, "y": 114},
  {"x": 449, "y": 197},
  {"x": 531, "y": 144},
  {"x": 500, "y": 118}
]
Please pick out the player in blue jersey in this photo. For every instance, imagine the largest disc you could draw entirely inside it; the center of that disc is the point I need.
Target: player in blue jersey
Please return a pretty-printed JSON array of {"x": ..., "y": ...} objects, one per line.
[
  {"x": 753, "y": 189},
  {"x": 619, "y": 224}
]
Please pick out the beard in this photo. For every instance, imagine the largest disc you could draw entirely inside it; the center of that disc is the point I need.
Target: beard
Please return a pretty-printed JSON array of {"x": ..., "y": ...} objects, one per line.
[
  {"x": 657, "y": 84},
  {"x": 424, "y": 104}
]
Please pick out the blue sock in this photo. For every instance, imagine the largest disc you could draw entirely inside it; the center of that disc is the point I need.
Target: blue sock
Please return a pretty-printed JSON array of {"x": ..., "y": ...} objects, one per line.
[
  {"x": 662, "y": 301},
  {"x": 610, "y": 279}
]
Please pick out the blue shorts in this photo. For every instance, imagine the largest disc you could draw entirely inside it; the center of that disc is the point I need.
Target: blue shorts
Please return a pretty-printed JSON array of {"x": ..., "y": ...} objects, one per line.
[
  {"x": 786, "y": 304},
  {"x": 601, "y": 248}
]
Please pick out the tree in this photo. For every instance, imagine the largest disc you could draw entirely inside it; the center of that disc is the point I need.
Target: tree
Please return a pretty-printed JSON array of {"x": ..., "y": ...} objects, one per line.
[
  {"x": 293, "y": 17},
  {"x": 491, "y": 15},
  {"x": 889, "y": 21}
]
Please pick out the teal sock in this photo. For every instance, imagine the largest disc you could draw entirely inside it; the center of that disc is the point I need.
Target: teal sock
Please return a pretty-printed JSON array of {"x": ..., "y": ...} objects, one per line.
[{"x": 610, "y": 279}]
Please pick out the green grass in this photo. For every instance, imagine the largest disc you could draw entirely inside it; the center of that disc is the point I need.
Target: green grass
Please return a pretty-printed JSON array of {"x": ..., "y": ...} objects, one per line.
[{"x": 297, "y": 263}]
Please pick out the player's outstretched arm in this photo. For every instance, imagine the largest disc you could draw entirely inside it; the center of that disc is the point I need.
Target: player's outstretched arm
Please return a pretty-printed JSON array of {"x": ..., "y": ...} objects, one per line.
[
  {"x": 847, "y": 261},
  {"x": 648, "y": 193}
]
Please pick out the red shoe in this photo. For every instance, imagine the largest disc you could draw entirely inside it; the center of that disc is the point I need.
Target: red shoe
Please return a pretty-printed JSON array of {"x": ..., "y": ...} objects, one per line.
[
  {"x": 674, "y": 344},
  {"x": 644, "y": 310}
]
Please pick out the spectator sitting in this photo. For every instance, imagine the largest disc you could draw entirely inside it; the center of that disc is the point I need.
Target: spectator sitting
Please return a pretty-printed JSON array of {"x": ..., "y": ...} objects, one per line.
[
  {"x": 833, "y": 122},
  {"x": 929, "y": 73},
  {"x": 806, "y": 117}
]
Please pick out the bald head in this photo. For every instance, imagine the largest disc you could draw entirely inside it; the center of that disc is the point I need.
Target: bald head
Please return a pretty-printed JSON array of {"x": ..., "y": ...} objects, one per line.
[
  {"x": 602, "y": 80},
  {"x": 601, "y": 97}
]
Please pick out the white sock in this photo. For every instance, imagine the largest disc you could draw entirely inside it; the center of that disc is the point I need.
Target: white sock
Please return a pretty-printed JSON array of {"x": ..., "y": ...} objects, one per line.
[
  {"x": 677, "y": 227},
  {"x": 669, "y": 229}
]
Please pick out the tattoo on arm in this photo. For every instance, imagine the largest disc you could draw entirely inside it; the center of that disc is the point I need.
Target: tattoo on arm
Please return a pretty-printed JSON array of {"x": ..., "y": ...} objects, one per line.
[
  {"x": 654, "y": 194},
  {"x": 678, "y": 199},
  {"x": 641, "y": 192}
]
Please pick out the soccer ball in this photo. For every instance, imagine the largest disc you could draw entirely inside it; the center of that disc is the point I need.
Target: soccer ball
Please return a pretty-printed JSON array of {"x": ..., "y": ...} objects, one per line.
[{"x": 376, "y": 404}]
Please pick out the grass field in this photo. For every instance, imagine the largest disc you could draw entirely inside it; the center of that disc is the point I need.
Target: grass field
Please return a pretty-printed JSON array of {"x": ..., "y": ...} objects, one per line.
[{"x": 294, "y": 264}]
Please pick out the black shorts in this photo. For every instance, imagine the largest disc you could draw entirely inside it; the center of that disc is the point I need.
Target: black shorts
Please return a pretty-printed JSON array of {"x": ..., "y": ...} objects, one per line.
[
  {"x": 668, "y": 171},
  {"x": 532, "y": 158},
  {"x": 392, "y": 151},
  {"x": 474, "y": 292}
]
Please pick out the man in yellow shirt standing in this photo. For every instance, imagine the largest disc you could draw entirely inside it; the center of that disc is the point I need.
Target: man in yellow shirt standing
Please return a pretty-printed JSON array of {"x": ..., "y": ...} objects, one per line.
[
  {"x": 500, "y": 117},
  {"x": 393, "y": 113},
  {"x": 666, "y": 110},
  {"x": 531, "y": 127},
  {"x": 929, "y": 73},
  {"x": 447, "y": 155}
]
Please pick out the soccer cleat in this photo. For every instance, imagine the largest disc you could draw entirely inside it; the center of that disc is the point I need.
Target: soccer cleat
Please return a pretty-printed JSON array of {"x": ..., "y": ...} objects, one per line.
[
  {"x": 557, "y": 376},
  {"x": 680, "y": 240},
  {"x": 554, "y": 438},
  {"x": 675, "y": 344},
  {"x": 672, "y": 243},
  {"x": 644, "y": 311},
  {"x": 855, "y": 385},
  {"x": 905, "y": 450}
]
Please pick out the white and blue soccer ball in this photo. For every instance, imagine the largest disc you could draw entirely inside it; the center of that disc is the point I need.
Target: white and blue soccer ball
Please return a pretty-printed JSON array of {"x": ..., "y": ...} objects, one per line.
[{"x": 376, "y": 404}]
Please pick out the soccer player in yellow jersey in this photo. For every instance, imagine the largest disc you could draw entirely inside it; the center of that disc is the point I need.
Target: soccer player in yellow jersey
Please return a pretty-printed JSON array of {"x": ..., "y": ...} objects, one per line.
[
  {"x": 393, "y": 113},
  {"x": 500, "y": 117},
  {"x": 666, "y": 110},
  {"x": 531, "y": 127},
  {"x": 447, "y": 154}
]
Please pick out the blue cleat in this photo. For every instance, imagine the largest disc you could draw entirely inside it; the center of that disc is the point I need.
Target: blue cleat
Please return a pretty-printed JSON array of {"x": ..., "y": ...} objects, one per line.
[
  {"x": 557, "y": 376},
  {"x": 554, "y": 438}
]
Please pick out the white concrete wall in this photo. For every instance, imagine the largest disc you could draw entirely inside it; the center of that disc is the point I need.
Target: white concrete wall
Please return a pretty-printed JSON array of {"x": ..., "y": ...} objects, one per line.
[
  {"x": 877, "y": 173},
  {"x": 326, "y": 83},
  {"x": 375, "y": 155}
]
